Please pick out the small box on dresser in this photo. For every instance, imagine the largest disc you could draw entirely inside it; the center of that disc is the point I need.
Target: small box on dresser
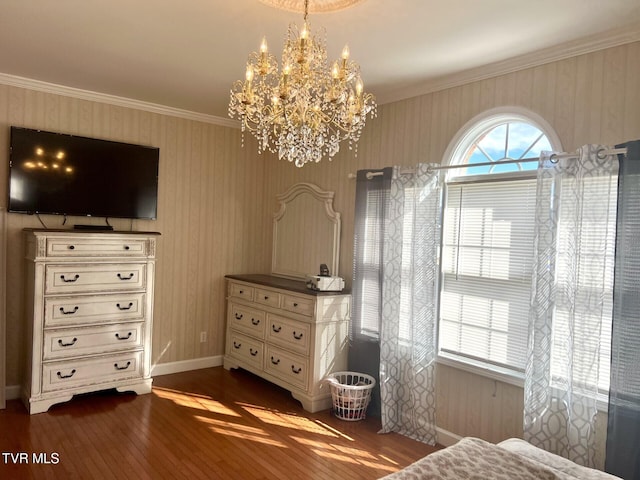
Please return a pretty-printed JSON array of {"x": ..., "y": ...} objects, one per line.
[
  {"x": 288, "y": 334},
  {"x": 89, "y": 313}
]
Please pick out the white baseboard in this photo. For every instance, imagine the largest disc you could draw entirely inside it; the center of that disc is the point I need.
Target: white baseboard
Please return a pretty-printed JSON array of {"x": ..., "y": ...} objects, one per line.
[
  {"x": 186, "y": 365},
  {"x": 12, "y": 392},
  {"x": 447, "y": 438}
]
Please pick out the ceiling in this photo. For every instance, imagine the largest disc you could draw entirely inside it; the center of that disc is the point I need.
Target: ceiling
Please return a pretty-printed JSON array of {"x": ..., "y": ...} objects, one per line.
[{"x": 185, "y": 55}]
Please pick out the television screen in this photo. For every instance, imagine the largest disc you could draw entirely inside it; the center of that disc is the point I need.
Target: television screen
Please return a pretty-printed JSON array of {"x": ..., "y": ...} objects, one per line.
[{"x": 54, "y": 173}]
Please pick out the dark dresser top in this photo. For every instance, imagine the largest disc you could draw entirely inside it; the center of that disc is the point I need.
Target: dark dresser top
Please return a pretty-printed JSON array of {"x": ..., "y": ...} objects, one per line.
[{"x": 298, "y": 286}]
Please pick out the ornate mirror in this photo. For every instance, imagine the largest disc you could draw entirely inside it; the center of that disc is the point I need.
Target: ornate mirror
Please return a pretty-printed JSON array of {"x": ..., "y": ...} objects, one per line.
[{"x": 306, "y": 232}]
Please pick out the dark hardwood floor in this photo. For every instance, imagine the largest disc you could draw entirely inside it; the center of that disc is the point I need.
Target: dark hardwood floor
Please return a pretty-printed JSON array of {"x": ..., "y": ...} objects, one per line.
[{"x": 203, "y": 424}]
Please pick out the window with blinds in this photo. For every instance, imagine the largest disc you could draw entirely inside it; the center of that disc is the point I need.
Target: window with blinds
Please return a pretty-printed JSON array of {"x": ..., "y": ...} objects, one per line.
[
  {"x": 487, "y": 261},
  {"x": 369, "y": 221},
  {"x": 486, "y": 271}
]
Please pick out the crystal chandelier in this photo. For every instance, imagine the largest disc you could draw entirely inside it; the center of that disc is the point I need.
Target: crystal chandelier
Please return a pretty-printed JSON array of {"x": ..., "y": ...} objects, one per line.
[{"x": 303, "y": 112}]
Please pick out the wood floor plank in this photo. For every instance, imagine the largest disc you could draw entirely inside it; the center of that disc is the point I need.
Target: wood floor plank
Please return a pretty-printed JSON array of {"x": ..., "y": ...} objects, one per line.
[{"x": 203, "y": 424}]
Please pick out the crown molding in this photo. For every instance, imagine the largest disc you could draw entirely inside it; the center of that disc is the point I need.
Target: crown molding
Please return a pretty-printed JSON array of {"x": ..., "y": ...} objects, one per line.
[
  {"x": 609, "y": 39},
  {"x": 46, "y": 87}
]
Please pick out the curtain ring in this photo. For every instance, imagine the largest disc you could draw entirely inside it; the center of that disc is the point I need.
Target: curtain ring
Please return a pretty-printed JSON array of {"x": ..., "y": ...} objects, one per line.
[
  {"x": 601, "y": 153},
  {"x": 553, "y": 158}
]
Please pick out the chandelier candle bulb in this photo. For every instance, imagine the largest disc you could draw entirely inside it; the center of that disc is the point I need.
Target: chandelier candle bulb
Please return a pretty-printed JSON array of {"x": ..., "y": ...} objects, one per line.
[
  {"x": 264, "y": 59},
  {"x": 345, "y": 53}
]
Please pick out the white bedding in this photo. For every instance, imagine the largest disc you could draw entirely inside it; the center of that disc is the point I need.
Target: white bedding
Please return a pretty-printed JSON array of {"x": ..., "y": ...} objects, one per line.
[{"x": 476, "y": 459}]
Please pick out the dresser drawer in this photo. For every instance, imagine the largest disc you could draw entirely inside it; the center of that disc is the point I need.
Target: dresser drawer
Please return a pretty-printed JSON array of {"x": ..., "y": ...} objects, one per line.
[
  {"x": 97, "y": 247},
  {"x": 287, "y": 366},
  {"x": 246, "y": 349},
  {"x": 301, "y": 305},
  {"x": 78, "y": 373},
  {"x": 289, "y": 334},
  {"x": 267, "y": 297},
  {"x": 241, "y": 291},
  {"x": 247, "y": 320},
  {"x": 74, "y": 342},
  {"x": 60, "y": 279},
  {"x": 79, "y": 310}
]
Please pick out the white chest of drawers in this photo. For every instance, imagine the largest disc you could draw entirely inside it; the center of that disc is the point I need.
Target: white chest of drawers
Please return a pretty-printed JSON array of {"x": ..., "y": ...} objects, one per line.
[
  {"x": 287, "y": 334},
  {"x": 89, "y": 314}
]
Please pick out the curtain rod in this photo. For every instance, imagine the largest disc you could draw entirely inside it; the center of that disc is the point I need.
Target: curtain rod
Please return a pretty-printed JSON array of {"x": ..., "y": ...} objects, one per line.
[{"x": 554, "y": 157}]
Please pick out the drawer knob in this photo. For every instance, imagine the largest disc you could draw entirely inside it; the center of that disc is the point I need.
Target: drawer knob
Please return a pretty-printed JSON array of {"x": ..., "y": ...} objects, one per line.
[
  {"x": 276, "y": 329},
  {"x": 296, "y": 370},
  {"x": 266, "y": 297},
  {"x": 62, "y": 344},
  {"x": 275, "y": 361},
  {"x": 127, "y": 247},
  {"x": 128, "y": 307},
  {"x": 69, "y": 280},
  {"x": 118, "y": 367},
  {"x": 238, "y": 316},
  {"x": 256, "y": 322},
  {"x": 237, "y": 345},
  {"x": 295, "y": 304},
  {"x": 68, "y": 312},
  {"x": 60, "y": 376},
  {"x": 122, "y": 277},
  {"x": 71, "y": 247},
  {"x": 253, "y": 352},
  {"x": 127, "y": 337},
  {"x": 297, "y": 336},
  {"x": 241, "y": 292}
]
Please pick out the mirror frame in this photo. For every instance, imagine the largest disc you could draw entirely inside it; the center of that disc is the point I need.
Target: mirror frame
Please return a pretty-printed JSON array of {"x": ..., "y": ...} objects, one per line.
[{"x": 325, "y": 198}]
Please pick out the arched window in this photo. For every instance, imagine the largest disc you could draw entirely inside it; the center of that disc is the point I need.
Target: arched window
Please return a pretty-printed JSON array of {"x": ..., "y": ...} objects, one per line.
[
  {"x": 502, "y": 137},
  {"x": 487, "y": 249}
]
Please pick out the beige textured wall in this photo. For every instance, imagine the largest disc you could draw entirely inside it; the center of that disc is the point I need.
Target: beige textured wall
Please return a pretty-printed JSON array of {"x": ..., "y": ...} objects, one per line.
[
  {"x": 211, "y": 216},
  {"x": 591, "y": 98}
]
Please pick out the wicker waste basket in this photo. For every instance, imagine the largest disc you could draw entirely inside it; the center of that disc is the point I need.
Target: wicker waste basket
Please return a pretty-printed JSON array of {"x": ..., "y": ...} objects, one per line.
[{"x": 351, "y": 393}]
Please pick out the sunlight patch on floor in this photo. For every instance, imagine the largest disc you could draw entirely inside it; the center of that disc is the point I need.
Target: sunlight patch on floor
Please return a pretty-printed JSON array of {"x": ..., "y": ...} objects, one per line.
[
  {"x": 387, "y": 459},
  {"x": 191, "y": 400},
  {"x": 323, "y": 445},
  {"x": 245, "y": 432},
  {"x": 273, "y": 417},
  {"x": 334, "y": 430},
  {"x": 341, "y": 457}
]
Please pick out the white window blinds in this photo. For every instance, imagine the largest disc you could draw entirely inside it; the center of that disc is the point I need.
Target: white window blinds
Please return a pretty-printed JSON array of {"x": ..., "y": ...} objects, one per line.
[
  {"x": 486, "y": 268},
  {"x": 584, "y": 299}
]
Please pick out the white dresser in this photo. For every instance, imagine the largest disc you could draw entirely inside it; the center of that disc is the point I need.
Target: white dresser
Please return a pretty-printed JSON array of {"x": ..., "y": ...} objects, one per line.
[
  {"x": 287, "y": 334},
  {"x": 89, "y": 313}
]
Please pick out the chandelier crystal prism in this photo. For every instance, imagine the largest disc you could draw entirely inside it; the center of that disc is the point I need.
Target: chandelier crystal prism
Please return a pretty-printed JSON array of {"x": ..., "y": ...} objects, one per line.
[{"x": 303, "y": 112}]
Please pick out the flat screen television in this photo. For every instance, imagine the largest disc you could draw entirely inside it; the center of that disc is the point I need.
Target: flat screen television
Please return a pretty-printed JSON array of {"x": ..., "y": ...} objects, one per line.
[{"x": 54, "y": 173}]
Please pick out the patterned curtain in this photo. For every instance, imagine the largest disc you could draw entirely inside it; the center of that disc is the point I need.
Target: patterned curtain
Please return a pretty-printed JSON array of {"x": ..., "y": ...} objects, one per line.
[
  {"x": 409, "y": 304},
  {"x": 572, "y": 272}
]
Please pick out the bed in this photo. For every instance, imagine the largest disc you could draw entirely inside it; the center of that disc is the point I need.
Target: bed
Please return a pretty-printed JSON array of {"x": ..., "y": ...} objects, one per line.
[{"x": 475, "y": 459}]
